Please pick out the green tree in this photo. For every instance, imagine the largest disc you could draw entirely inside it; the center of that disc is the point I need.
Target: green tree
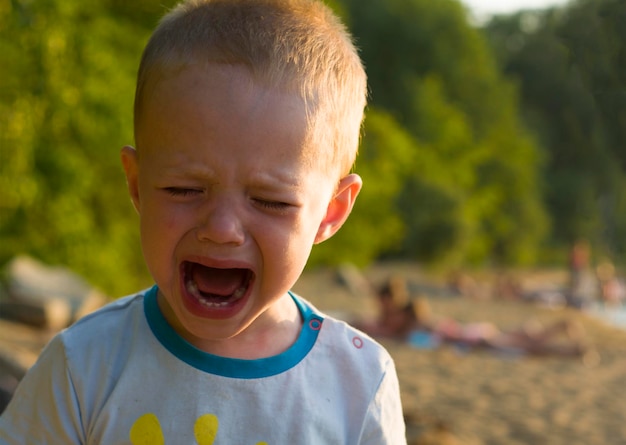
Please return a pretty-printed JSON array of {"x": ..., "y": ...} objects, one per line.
[
  {"x": 65, "y": 111},
  {"x": 570, "y": 64},
  {"x": 473, "y": 192}
]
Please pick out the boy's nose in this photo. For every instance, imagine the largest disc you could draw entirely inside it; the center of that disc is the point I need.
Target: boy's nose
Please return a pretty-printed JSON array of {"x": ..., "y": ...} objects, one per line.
[{"x": 220, "y": 224}]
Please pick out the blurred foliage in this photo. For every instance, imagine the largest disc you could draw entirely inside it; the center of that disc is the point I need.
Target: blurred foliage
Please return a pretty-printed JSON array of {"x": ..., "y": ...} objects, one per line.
[
  {"x": 472, "y": 192},
  {"x": 570, "y": 64},
  {"x": 66, "y": 94},
  {"x": 459, "y": 161}
]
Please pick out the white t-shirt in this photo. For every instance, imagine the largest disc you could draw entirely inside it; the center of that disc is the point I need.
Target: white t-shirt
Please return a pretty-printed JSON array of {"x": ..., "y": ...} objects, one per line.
[{"x": 123, "y": 376}]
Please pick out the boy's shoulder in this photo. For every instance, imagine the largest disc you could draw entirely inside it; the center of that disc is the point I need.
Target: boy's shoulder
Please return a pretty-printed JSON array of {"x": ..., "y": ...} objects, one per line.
[
  {"x": 113, "y": 310},
  {"x": 103, "y": 325},
  {"x": 348, "y": 346}
]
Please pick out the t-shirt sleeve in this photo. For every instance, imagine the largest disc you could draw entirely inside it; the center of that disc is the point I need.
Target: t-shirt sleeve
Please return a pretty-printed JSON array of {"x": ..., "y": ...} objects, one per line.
[
  {"x": 384, "y": 422},
  {"x": 44, "y": 408}
]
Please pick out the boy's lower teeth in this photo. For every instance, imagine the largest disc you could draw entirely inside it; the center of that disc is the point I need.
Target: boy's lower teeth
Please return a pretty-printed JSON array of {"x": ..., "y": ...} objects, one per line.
[{"x": 214, "y": 302}]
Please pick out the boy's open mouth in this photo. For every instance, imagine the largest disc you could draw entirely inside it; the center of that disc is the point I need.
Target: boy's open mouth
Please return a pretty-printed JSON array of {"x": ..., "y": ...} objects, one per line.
[{"x": 216, "y": 288}]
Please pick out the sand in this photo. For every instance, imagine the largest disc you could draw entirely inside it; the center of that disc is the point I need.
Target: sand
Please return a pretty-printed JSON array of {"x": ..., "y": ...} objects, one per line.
[{"x": 453, "y": 396}]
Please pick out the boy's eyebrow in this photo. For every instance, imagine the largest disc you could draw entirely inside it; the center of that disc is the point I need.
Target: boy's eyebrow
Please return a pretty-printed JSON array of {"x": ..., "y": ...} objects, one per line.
[
  {"x": 180, "y": 171},
  {"x": 265, "y": 178},
  {"x": 260, "y": 178}
]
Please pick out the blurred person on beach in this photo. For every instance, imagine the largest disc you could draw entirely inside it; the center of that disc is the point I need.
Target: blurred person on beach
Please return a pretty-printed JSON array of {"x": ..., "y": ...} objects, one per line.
[
  {"x": 412, "y": 320},
  {"x": 247, "y": 121},
  {"x": 462, "y": 284},
  {"x": 508, "y": 287},
  {"x": 578, "y": 261},
  {"x": 612, "y": 290},
  {"x": 582, "y": 287},
  {"x": 396, "y": 316},
  {"x": 562, "y": 338}
]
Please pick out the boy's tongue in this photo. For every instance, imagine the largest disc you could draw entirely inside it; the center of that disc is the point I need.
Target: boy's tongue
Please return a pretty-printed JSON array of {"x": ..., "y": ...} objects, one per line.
[{"x": 217, "y": 281}]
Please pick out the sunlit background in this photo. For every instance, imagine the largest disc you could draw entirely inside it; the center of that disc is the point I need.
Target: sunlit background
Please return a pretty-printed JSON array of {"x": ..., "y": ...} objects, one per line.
[
  {"x": 491, "y": 144},
  {"x": 492, "y": 7}
]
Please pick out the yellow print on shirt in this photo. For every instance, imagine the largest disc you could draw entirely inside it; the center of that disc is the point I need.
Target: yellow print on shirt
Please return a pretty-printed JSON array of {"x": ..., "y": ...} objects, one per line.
[{"x": 147, "y": 430}]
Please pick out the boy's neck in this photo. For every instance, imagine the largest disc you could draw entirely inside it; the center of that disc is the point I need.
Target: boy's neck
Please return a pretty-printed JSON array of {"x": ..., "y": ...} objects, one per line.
[{"x": 269, "y": 335}]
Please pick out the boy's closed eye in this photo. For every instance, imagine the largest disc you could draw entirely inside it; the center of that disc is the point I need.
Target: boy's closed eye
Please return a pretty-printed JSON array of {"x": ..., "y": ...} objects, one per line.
[
  {"x": 182, "y": 191},
  {"x": 272, "y": 205},
  {"x": 269, "y": 204}
]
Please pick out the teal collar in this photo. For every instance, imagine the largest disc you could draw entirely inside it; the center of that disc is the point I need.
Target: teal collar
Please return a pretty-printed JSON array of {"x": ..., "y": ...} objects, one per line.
[{"x": 232, "y": 367}]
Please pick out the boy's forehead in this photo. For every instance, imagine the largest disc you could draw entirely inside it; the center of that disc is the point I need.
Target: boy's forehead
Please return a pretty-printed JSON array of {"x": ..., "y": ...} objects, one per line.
[
  {"x": 194, "y": 78},
  {"x": 223, "y": 84},
  {"x": 218, "y": 92}
]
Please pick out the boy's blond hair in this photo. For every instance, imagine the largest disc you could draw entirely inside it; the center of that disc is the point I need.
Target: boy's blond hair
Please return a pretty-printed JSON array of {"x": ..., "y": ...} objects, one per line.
[{"x": 297, "y": 46}]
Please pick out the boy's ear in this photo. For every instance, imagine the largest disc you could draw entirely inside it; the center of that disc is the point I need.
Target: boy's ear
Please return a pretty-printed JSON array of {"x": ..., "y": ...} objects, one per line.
[
  {"x": 129, "y": 162},
  {"x": 339, "y": 207}
]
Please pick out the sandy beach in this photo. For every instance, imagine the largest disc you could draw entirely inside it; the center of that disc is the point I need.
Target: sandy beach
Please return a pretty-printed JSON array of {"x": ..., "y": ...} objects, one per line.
[{"x": 453, "y": 396}]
